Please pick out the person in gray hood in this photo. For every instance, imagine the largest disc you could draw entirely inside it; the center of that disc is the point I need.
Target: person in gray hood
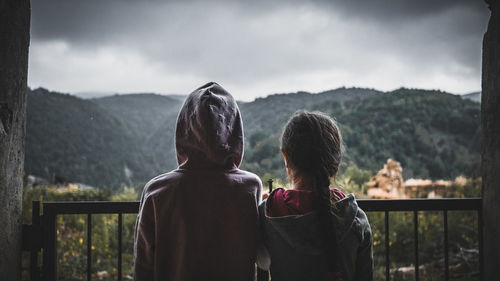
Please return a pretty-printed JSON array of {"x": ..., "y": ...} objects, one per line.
[
  {"x": 312, "y": 232},
  {"x": 200, "y": 221}
]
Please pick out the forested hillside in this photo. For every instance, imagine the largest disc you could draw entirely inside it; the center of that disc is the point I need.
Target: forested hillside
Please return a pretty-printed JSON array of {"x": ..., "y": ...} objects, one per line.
[
  {"x": 151, "y": 119},
  {"x": 143, "y": 114},
  {"x": 269, "y": 114},
  {"x": 77, "y": 140},
  {"x": 433, "y": 134}
]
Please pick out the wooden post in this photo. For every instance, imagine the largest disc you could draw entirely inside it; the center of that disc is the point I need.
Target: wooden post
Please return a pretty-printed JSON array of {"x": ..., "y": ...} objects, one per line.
[
  {"x": 490, "y": 154},
  {"x": 14, "y": 43}
]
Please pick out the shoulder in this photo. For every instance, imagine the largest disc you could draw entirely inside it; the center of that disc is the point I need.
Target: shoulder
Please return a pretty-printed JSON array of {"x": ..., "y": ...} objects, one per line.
[
  {"x": 248, "y": 176},
  {"x": 353, "y": 218},
  {"x": 247, "y": 179},
  {"x": 150, "y": 191},
  {"x": 160, "y": 183},
  {"x": 361, "y": 216},
  {"x": 263, "y": 204},
  {"x": 365, "y": 231}
]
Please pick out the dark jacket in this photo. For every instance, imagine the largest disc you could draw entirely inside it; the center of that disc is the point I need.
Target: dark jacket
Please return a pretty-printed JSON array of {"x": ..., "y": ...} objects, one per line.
[
  {"x": 297, "y": 251},
  {"x": 199, "y": 222}
]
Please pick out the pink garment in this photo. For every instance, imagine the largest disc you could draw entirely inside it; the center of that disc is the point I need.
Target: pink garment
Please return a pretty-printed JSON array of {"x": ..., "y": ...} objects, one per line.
[
  {"x": 199, "y": 222},
  {"x": 293, "y": 202}
]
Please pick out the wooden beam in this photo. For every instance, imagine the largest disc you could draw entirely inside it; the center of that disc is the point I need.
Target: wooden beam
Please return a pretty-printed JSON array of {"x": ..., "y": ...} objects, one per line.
[
  {"x": 490, "y": 154},
  {"x": 14, "y": 42}
]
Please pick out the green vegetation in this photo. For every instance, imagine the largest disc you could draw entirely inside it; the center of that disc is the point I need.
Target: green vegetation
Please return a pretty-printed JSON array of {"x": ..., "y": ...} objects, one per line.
[
  {"x": 421, "y": 129},
  {"x": 128, "y": 139},
  {"x": 463, "y": 245},
  {"x": 73, "y": 139},
  {"x": 121, "y": 141},
  {"x": 72, "y": 235},
  {"x": 433, "y": 134}
]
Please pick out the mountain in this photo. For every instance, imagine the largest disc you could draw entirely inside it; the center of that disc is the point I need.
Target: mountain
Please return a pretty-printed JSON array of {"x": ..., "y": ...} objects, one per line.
[
  {"x": 99, "y": 141},
  {"x": 475, "y": 97},
  {"x": 78, "y": 140},
  {"x": 270, "y": 113},
  {"x": 143, "y": 114},
  {"x": 151, "y": 118},
  {"x": 433, "y": 134}
]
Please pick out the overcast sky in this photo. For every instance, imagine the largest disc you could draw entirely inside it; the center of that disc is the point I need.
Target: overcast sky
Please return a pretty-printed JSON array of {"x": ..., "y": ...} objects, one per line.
[{"x": 255, "y": 48}]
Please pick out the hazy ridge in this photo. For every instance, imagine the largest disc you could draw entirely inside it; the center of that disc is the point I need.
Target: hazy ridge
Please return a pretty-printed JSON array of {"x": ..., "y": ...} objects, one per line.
[{"x": 128, "y": 139}]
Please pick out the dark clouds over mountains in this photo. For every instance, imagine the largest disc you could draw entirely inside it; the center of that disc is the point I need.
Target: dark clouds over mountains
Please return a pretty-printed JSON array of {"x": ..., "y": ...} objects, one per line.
[{"x": 256, "y": 47}]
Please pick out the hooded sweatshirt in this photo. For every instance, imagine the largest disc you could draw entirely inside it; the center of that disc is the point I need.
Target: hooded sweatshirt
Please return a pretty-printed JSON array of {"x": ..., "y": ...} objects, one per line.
[
  {"x": 292, "y": 236},
  {"x": 199, "y": 222}
]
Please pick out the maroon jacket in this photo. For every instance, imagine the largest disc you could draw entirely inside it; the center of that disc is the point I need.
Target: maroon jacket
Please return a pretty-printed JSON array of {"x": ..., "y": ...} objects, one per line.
[{"x": 199, "y": 222}]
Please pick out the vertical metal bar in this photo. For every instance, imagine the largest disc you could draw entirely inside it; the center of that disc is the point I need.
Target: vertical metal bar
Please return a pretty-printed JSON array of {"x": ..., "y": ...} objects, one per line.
[
  {"x": 35, "y": 222},
  {"x": 120, "y": 222},
  {"x": 50, "y": 240},
  {"x": 387, "y": 265},
  {"x": 415, "y": 223},
  {"x": 480, "y": 230},
  {"x": 446, "y": 261},
  {"x": 89, "y": 246},
  {"x": 262, "y": 275}
]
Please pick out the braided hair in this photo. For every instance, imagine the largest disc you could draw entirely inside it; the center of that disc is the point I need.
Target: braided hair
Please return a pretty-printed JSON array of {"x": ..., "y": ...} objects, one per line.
[{"x": 312, "y": 144}]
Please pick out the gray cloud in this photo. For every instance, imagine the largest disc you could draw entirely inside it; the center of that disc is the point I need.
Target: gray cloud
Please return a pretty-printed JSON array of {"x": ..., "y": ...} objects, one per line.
[
  {"x": 387, "y": 10},
  {"x": 257, "y": 47},
  {"x": 82, "y": 19}
]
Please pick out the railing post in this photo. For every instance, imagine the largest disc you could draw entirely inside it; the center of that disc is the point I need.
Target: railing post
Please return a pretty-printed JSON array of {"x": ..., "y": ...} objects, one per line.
[
  {"x": 89, "y": 247},
  {"x": 262, "y": 275},
  {"x": 446, "y": 262},
  {"x": 415, "y": 223},
  {"x": 49, "y": 245},
  {"x": 32, "y": 240},
  {"x": 387, "y": 261},
  {"x": 120, "y": 226},
  {"x": 480, "y": 230}
]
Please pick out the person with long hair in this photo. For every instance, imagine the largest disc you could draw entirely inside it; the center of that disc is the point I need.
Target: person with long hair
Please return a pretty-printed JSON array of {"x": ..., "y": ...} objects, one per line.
[{"x": 312, "y": 232}]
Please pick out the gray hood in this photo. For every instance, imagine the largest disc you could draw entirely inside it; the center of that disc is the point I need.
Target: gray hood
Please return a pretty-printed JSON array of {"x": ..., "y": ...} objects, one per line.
[
  {"x": 209, "y": 130},
  {"x": 301, "y": 232},
  {"x": 297, "y": 249}
]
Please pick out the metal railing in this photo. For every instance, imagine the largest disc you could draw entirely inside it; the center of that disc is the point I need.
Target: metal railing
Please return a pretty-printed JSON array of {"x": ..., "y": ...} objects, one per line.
[
  {"x": 42, "y": 233},
  {"x": 416, "y": 205}
]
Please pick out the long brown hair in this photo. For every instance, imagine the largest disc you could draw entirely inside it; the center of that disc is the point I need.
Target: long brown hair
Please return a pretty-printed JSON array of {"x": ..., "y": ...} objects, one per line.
[{"x": 312, "y": 144}]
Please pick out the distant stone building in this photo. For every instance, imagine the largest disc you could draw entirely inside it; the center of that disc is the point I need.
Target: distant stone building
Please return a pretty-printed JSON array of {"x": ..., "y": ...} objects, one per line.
[
  {"x": 389, "y": 184},
  {"x": 419, "y": 188}
]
